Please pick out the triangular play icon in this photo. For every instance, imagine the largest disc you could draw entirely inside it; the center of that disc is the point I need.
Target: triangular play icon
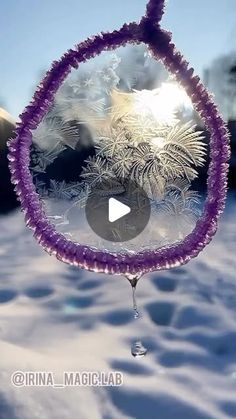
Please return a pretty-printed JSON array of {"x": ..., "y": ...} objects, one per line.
[{"x": 117, "y": 210}]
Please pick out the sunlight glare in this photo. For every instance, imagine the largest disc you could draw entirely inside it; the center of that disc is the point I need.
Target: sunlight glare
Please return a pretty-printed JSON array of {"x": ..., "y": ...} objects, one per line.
[{"x": 163, "y": 102}]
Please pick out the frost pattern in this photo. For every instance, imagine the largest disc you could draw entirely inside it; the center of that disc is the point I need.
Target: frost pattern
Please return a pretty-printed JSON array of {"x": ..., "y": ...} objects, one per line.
[{"x": 133, "y": 134}]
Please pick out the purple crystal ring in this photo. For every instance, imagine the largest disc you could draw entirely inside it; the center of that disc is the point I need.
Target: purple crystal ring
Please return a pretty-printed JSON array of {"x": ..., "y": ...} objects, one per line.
[{"x": 147, "y": 31}]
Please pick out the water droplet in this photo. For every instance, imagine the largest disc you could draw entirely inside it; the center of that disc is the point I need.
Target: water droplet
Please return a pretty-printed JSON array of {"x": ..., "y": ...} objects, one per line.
[
  {"x": 135, "y": 307},
  {"x": 138, "y": 350},
  {"x": 133, "y": 279}
]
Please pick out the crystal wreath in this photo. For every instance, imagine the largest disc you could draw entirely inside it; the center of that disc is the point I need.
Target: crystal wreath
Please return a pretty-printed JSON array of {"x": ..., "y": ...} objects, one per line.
[{"x": 159, "y": 42}]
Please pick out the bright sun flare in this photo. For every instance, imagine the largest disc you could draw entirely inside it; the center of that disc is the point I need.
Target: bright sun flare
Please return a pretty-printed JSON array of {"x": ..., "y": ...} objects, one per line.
[{"x": 163, "y": 102}]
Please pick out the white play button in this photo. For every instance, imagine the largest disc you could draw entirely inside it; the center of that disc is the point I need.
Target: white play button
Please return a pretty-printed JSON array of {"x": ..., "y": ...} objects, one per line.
[
  {"x": 118, "y": 217},
  {"x": 117, "y": 210}
]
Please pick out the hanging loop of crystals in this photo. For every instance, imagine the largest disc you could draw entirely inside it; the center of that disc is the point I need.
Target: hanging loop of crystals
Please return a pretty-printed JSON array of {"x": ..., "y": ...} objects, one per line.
[{"x": 159, "y": 41}]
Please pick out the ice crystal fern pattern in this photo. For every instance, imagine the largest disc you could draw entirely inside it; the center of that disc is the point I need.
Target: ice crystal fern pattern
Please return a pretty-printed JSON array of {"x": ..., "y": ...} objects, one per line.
[{"x": 131, "y": 137}]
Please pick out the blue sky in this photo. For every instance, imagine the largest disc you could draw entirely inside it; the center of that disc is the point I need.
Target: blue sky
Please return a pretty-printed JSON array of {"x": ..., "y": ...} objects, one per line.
[{"x": 35, "y": 32}]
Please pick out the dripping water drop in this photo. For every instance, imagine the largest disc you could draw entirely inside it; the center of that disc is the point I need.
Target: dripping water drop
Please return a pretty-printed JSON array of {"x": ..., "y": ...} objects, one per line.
[
  {"x": 137, "y": 348},
  {"x": 135, "y": 307}
]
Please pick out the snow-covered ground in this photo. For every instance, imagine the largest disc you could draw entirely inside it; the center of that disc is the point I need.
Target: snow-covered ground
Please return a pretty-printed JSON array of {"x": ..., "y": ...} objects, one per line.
[{"x": 56, "y": 318}]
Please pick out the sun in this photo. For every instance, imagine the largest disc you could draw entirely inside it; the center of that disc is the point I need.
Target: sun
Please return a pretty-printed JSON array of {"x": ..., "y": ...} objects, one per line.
[{"x": 163, "y": 103}]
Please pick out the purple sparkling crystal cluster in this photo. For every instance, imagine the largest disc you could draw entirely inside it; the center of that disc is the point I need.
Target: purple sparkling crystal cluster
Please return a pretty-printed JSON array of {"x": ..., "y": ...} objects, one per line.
[{"x": 147, "y": 31}]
